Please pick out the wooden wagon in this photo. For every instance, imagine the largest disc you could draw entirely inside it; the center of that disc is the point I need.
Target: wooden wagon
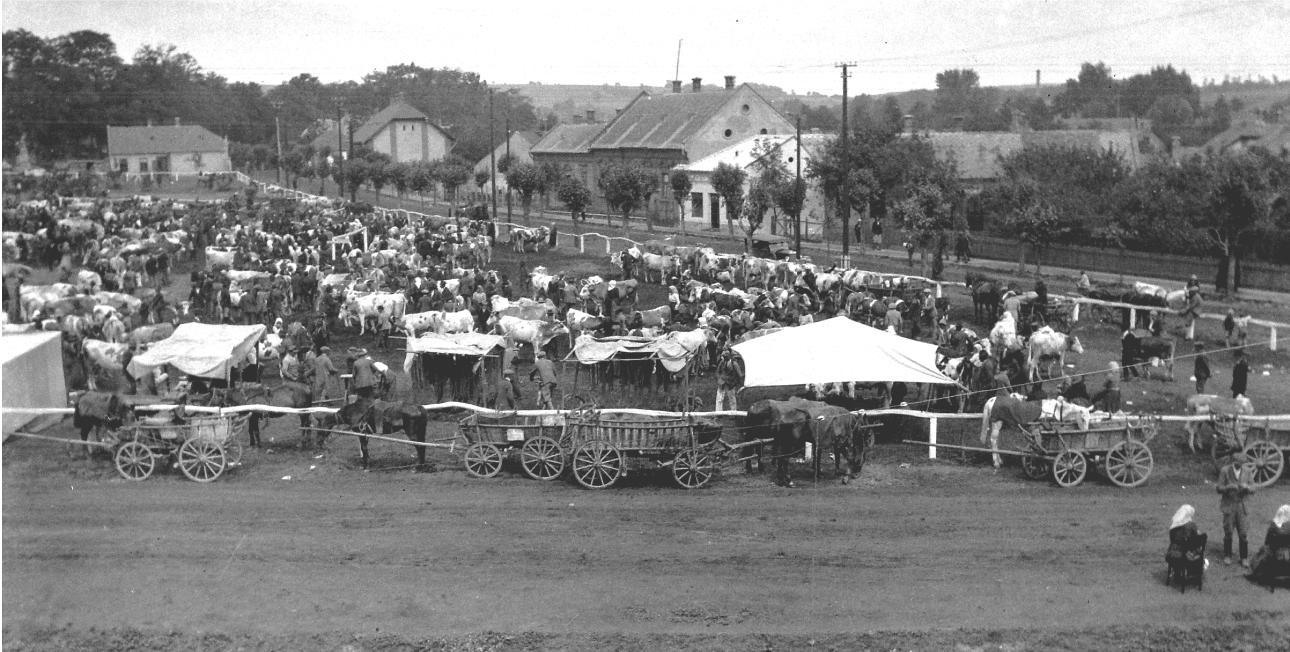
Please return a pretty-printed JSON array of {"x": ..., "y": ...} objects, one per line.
[
  {"x": 540, "y": 440},
  {"x": 1264, "y": 440},
  {"x": 203, "y": 447},
  {"x": 1119, "y": 448},
  {"x": 602, "y": 443}
]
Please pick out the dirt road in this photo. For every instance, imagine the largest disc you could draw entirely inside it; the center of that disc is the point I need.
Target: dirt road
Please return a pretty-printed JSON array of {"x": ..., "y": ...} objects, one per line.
[{"x": 933, "y": 547}]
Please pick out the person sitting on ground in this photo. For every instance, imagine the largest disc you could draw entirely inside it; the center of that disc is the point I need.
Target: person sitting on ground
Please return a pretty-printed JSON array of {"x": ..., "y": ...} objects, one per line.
[
  {"x": 1184, "y": 538},
  {"x": 1083, "y": 285},
  {"x": 1273, "y": 559}
]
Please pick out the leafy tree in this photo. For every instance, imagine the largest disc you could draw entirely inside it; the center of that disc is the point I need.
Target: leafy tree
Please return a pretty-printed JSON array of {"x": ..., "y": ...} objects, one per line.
[
  {"x": 400, "y": 176},
  {"x": 525, "y": 179},
  {"x": 549, "y": 176},
  {"x": 1039, "y": 225},
  {"x": 453, "y": 172},
  {"x": 482, "y": 178},
  {"x": 681, "y": 188},
  {"x": 421, "y": 178},
  {"x": 626, "y": 188},
  {"x": 1142, "y": 92},
  {"x": 926, "y": 213},
  {"x": 729, "y": 181},
  {"x": 1169, "y": 114},
  {"x": 357, "y": 172},
  {"x": 574, "y": 195},
  {"x": 1093, "y": 94},
  {"x": 1237, "y": 198}
]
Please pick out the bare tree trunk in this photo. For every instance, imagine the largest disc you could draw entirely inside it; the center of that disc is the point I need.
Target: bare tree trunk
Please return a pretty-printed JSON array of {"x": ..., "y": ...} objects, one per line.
[
  {"x": 1230, "y": 281},
  {"x": 1021, "y": 258},
  {"x": 922, "y": 246},
  {"x": 1039, "y": 261},
  {"x": 681, "y": 212}
]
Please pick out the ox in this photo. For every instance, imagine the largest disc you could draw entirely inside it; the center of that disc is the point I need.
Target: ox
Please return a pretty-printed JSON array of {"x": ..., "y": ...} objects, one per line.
[
  {"x": 415, "y": 322},
  {"x": 1140, "y": 349},
  {"x": 1047, "y": 343},
  {"x": 654, "y": 317},
  {"x": 364, "y": 308},
  {"x": 460, "y": 321},
  {"x": 578, "y": 321},
  {"x": 1215, "y": 406},
  {"x": 522, "y": 238},
  {"x": 536, "y": 333},
  {"x": 101, "y": 356}
]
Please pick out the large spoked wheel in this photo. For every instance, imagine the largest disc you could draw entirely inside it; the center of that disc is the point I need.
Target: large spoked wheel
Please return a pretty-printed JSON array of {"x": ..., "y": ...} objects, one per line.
[
  {"x": 134, "y": 461},
  {"x": 692, "y": 468},
  {"x": 201, "y": 460},
  {"x": 542, "y": 458},
  {"x": 597, "y": 465},
  {"x": 1036, "y": 468},
  {"x": 1268, "y": 460},
  {"x": 1129, "y": 463},
  {"x": 483, "y": 460},
  {"x": 1069, "y": 468}
]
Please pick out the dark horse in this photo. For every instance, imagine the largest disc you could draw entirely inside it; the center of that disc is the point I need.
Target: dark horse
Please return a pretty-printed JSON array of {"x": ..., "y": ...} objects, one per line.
[
  {"x": 383, "y": 418},
  {"x": 286, "y": 395},
  {"x": 98, "y": 410},
  {"x": 985, "y": 295},
  {"x": 794, "y": 422}
]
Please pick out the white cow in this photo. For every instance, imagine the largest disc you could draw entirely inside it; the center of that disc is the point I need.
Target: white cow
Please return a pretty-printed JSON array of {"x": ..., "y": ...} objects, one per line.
[
  {"x": 460, "y": 321},
  {"x": 101, "y": 356},
  {"x": 218, "y": 256},
  {"x": 534, "y": 332},
  {"x": 1004, "y": 334},
  {"x": 364, "y": 308},
  {"x": 415, "y": 322},
  {"x": 1048, "y": 343},
  {"x": 578, "y": 321},
  {"x": 88, "y": 282},
  {"x": 1212, "y": 404}
]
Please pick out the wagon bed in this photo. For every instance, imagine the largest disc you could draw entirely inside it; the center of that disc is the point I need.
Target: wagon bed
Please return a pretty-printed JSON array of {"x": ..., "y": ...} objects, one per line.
[
  {"x": 540, "y": 440},
  {"x": 1264, "y": 441},
  {"x": 602, "y": 443},
  {"x": 1120, "y": 448},
  {"x": 203, "y": 447}
]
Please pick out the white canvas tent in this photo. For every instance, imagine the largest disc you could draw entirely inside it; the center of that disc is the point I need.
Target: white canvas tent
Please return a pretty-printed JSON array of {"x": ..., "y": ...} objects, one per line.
[
  {"x": 204, "y": 350},
  {"x": 837, "y": 350},
  {"x": 33, "y": 374}
]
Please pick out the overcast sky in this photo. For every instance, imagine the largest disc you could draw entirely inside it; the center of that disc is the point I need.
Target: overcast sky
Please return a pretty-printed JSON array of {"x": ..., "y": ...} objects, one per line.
[{"x": 794, "y": 45}]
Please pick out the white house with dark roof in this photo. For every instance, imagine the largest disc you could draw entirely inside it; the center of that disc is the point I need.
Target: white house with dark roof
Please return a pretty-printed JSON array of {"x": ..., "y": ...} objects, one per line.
[
  {"x": 171, "y": 149},
  {"x": 399, "y": 131}
]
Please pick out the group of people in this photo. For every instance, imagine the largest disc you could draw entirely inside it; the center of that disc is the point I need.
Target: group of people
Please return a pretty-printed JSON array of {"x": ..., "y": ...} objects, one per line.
[{"x": 1186, "y": 542}]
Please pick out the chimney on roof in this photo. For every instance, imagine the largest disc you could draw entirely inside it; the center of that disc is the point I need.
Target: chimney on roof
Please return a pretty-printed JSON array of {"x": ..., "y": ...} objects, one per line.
[
  {"x": 1036, "y": 77},
  {"x": 730, "y": 82},
  {"x": 908, "y": 121},
  {"x": 591, "y": 116},
  {"x": 676, "y": 86},
  {"x": 176, "y": 121},
  {"x": 696, "y": 85}
]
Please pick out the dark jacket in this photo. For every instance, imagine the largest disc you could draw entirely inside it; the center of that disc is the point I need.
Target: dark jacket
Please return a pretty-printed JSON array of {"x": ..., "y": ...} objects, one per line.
[
  {"x": 1202, "y": 367},
  {"x": 1183, "y": 543},
  {"x": 1240, "y": 374}
]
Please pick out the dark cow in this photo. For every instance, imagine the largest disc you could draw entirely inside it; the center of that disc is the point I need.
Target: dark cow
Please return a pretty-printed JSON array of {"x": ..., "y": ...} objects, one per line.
[
  {"x": 794, "y": 422},
  {"x": 1139, "y": 348}
]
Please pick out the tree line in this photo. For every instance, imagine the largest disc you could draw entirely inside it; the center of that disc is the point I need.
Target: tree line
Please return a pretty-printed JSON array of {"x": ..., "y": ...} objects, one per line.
[{"x": 62, "y": 92}]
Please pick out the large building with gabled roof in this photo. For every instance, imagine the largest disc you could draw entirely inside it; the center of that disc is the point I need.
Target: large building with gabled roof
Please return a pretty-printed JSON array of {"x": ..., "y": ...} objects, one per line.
[
  {"x": 168, "y": 149},
  {"x": 399, "y": 131}
]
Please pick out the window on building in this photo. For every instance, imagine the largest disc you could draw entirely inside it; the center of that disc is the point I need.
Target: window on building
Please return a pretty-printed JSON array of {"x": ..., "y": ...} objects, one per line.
[
  {"x": 123, "y": 165},
  {"x": 143, "y": 165},
  {"x": 729, "y": 133},
  {"x": 763, "y": 131},
  {"x": 696, "y": 204}
]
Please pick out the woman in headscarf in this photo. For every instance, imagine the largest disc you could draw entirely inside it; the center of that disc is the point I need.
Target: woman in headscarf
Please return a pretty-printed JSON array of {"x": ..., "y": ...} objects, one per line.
[
  {"x": 1274, "y": 556},
  {"x": 1183, "y": 537}
]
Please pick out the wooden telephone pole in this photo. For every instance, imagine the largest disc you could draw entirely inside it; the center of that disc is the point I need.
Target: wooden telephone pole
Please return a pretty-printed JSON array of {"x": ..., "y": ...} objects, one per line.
[{"x": 846, "y": 158}]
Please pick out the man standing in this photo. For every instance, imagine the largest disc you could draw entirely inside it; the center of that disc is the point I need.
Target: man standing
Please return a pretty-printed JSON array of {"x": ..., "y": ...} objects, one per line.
[
  {"x": 963, "y": 247},
  {"x": 894, "y": 320},
  {"x": 1234, "y": 484},
  {"x": 1202, "y": 372},
  {"x": 1240, "y": 374},
  {"x": 508, "y": 394},
  {"x": 323, "y": 372},
  {"x": 364, "y": 376},
  {"x": 877, "y": 234},
  {"x": 290, "y": 367},
  {"x": 730, "y": 376},
  {"x": 544, "y": 370},
  {"x": 383, "y": 327}
]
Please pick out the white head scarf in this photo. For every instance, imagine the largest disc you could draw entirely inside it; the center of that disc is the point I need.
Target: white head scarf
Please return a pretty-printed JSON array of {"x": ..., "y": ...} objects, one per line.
[
  {"x": 1184, "y": 515},
  {"x": 1283, "y": 515}
]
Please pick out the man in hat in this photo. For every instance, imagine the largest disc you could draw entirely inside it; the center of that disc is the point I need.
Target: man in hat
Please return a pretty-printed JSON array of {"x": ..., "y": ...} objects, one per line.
[
  {"x": 364, "y": 380},
  {"x": 544, "y": 370},
  {"x": 1202, "y": 371},
  {"x": 1192, "y": 310},
  {"x": 323, "y": 372},
  {"x": 508, "y": 392},
  {"x": 383, "y": 327},
  {"x": 1234, "y": 484},
  {"x": 1240, "y": 374},
  {"x": 290, "y": 366}
]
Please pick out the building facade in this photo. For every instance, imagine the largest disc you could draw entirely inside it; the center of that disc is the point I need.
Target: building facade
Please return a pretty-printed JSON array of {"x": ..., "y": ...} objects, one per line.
[
  {"x": 399, "y": 131},
  {"x": 167, "y": 150}
]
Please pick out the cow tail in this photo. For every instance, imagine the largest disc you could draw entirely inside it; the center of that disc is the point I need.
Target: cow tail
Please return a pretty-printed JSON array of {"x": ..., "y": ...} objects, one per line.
[{"x": 985, "y": 420}]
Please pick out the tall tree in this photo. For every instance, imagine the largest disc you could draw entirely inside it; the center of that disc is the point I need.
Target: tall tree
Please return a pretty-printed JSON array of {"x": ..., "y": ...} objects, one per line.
[
  {"x": 728, "y": 180},
  {"x": 681, "y": 188},
  {"x": 525, "y": 179},
  {"x": 453, "y": 173},
  {"x": 626, "y": 188},
  {"x": 574, "y": 195}
]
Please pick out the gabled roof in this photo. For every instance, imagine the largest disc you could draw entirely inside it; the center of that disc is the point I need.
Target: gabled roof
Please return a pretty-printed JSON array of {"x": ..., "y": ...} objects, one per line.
[
  {"x": 397, "y": 110},
  {"x": 664, "y": 121},
  {"x": 976, "y": 153},
  {"x": 739, "y": 155},
  {"x": 124, "y": 141},
  {"x": 1274, "y": 137},
  {"x": 567, "y": 139}
]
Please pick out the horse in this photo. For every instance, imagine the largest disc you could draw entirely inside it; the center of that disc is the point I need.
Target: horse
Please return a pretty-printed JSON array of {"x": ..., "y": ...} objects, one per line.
[
  {"x": 1215, "y": 406},
  {"x": 793, "y": 423},
  {"x": 985, "y": 295},
  {"x": 1017, "y": 412},
  {"x": 286, "y": 395},
  {"x": 96, "y": 411},
  {"x": 375, "y": 416}
]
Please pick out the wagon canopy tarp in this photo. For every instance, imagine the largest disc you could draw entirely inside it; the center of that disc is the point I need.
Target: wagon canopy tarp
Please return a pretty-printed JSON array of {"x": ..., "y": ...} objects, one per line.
[
  {"x": 673, "y": 353},
  {"x": 837, "y": 350},
  {"x": 205, "y": 350},
  {"x": 473, "y": 344}
]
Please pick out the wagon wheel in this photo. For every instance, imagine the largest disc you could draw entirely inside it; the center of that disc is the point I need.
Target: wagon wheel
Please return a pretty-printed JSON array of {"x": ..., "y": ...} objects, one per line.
[
  {"x": 692, "y": 468},
  {"x": 1129, "y": 463},
  {"x": 1268, "y": 460},
  {"x": 1069, "y": 468},
  {"x": 201, "y": 460},
  {"x": 542, "y": 458},
  {"x": 134, "y": 461},
  {"x": 1035, "y": 467},
  {"x": 597, "y": 464},
  {"x": 483, "y": 460}
]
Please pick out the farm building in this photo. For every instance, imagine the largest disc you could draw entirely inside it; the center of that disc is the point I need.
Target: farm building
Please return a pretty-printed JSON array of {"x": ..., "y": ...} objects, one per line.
[
  {"x": 399, "y": 130},
  {"x": 519, "y": 145},
  {"x": 171, "y": 149}
]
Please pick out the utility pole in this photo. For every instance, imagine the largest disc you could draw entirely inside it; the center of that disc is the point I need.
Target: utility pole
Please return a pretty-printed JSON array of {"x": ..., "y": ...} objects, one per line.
[
  {"x": 846, "y": 172},
  {"x": 492, "y": 153},
  {"x": 798, "y": 196},
  {"x": 509, "y": 163},
  {"x": 340, "y": 152},
  {"x": 353, "y": 187},
  {"x": 277, "y": 133}
]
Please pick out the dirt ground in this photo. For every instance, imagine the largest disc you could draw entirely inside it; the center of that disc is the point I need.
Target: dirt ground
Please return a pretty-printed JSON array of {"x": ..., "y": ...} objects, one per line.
[{"x": 917, "y": 554}]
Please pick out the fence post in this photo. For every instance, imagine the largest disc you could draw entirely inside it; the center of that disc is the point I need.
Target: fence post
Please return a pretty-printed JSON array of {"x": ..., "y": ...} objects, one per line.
[
  {"x": 1272, "y": 338},
  {"x": 1075, "y": 313},
  {"x": 582, "y": 244},
  {"x": 607, "y": 245},
  {"x": 1133, "y": 318},
  {"x": 931, "y": 438},
  {"x": 938, "y": 290}
]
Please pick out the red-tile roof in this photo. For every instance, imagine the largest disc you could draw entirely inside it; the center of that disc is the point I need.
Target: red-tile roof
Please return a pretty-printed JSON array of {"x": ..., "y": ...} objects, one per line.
[
  {"x": 567, "y": 139},
  {"x": 124, "y": 141},
  {"x": 665, "y": 121}
]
